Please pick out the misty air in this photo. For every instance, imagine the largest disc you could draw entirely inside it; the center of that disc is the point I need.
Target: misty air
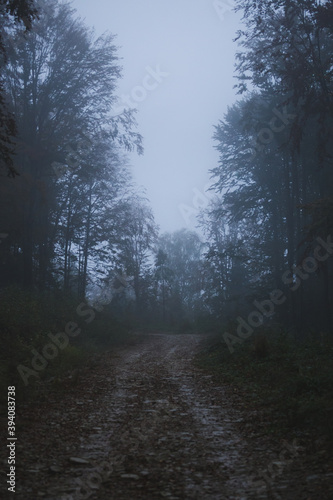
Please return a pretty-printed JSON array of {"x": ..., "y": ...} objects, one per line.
[{"x": 166, "y": 249}]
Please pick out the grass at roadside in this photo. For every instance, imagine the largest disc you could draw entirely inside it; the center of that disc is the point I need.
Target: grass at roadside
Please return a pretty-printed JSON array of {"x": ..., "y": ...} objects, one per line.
[
  {"x": 291, "y": 383},
  {"x": 29, "y": 325}
]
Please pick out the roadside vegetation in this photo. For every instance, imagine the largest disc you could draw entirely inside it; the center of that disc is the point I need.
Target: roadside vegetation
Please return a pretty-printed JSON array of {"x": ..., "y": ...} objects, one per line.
[
  {"x": 30, "y": 324},
  {"x": 289, "y": 383}
]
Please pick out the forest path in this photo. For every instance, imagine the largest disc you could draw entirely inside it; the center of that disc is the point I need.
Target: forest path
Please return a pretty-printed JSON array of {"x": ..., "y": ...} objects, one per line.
[{"x": 147, "y": 424}]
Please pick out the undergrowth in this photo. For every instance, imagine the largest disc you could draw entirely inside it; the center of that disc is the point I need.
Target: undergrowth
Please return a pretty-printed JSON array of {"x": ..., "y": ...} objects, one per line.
[
  {"x": 27, "y": 320},
  {"x": 291, "y": 382}
]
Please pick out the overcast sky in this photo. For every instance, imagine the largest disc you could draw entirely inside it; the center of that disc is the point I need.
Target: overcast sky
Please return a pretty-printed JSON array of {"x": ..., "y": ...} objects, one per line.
[{"x": 178, "y": 70}]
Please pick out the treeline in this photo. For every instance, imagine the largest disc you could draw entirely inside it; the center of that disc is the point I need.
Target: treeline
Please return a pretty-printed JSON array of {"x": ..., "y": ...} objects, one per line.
[
  {"x": 72, "y": 222},
  {"x": 270, "y": 226},
  {"x": 69, "y": 208}
]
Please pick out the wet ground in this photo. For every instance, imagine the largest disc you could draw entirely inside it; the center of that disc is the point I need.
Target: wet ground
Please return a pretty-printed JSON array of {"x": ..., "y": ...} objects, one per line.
[{"x": 144, "y": 423}]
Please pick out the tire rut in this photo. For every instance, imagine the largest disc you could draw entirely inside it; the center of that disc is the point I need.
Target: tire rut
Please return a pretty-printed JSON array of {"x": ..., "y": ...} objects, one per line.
[{"x": 155, "y": 427}]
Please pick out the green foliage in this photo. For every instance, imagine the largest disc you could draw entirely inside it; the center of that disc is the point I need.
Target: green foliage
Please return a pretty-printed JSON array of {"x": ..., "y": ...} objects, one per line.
[
  {"x": 178, "y": 277},
  {"x": 20, "y": 12},
  {"x": 290, "y": 382},
  {"x": 65, "y": 164},
  {"x": 273, "y": 182},
  {"x": 26, "y": 319}
]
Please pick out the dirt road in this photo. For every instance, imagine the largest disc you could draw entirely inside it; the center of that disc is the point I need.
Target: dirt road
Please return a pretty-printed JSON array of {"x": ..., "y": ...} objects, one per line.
[{"x": 145, "y": 423}]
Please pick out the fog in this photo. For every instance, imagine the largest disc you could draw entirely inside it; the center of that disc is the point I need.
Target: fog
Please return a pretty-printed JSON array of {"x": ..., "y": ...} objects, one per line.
[
  {"x": 192, "y": 44},
  {"x": 151, "y": 349}
]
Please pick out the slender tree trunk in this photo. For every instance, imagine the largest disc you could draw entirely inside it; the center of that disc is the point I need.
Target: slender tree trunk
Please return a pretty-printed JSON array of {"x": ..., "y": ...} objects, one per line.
[
  {"x": 67, "y": 251},
  {"x": 87, "y": 244},
  {"x": 290, "y": 234}
]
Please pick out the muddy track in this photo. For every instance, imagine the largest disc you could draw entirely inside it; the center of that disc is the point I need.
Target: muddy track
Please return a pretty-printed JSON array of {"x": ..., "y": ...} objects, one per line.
[{"x": 145, "y": 423}]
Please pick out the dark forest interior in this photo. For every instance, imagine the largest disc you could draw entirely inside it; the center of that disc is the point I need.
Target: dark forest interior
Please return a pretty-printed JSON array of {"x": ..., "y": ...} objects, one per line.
[{"x": 87, "y": 275}]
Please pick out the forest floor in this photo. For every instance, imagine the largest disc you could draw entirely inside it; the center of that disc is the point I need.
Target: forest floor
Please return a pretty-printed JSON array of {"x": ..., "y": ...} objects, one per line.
[{"x": 144, "y": 422}]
